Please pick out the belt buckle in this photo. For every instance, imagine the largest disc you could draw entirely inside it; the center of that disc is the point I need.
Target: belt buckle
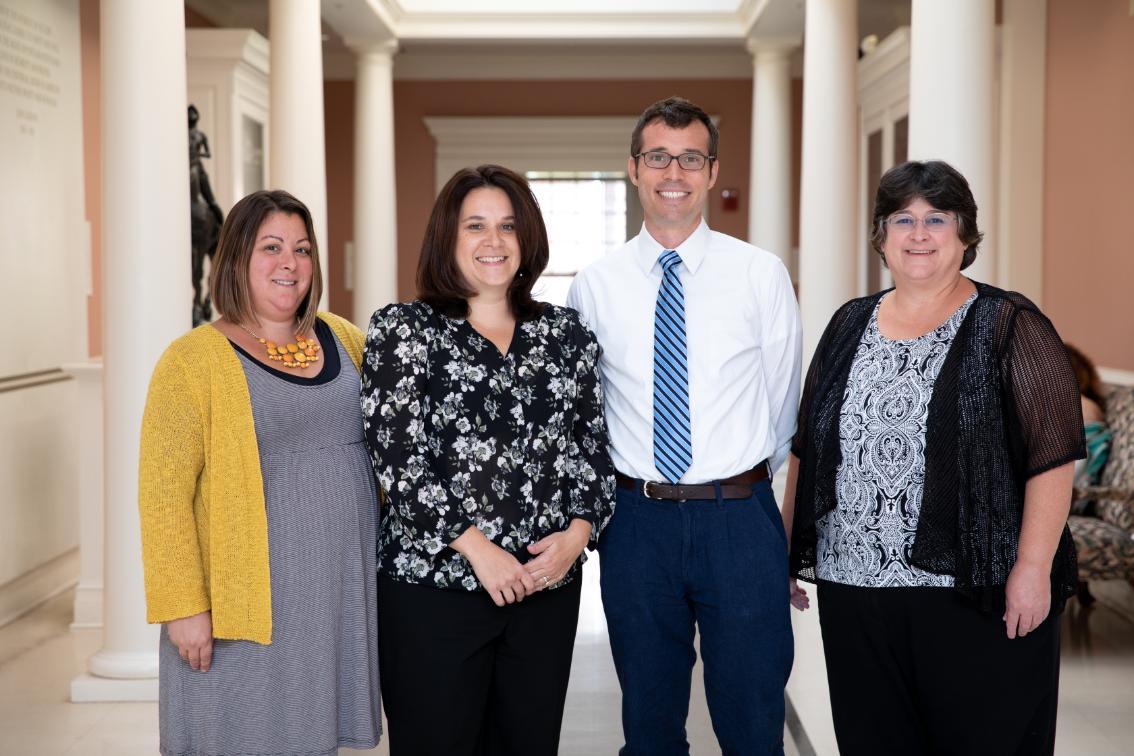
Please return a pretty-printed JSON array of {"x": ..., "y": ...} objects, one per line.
[{"x": 646, "y": 491}]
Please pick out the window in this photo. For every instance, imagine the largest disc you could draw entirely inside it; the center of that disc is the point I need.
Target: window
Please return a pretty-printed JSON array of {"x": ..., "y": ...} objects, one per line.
[{"x": 585, "y": 214}]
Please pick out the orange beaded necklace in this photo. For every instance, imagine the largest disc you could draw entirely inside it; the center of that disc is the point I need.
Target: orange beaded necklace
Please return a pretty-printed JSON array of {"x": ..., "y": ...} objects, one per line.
[{"x": 298, "y": 354}]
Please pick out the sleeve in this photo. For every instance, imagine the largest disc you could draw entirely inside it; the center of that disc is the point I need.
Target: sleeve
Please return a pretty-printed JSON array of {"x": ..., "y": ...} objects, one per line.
[
  {"x": 1044, "y": 394},
  {"x": 579, "y": 298},
  {"x": 781, "y": 358},
  {"x": 395, "y": 382},
  {"x": 815, "y": 373},
  {"x": 170, "y": 462},
  {"x": 591, "y": 496}
]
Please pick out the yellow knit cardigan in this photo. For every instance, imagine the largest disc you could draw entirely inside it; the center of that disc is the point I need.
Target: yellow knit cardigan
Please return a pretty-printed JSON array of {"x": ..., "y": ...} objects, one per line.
[{"x": 200, "y": 490}]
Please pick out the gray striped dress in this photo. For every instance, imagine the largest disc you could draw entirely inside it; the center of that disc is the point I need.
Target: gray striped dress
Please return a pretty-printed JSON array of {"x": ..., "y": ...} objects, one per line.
[{"x": 315, "y": 688}]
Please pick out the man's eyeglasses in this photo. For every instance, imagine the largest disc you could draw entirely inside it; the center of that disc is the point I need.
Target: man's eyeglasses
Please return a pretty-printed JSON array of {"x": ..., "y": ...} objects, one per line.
[
  {"x": 688, "y": 161},
  {"x": 905, "y": 223}
]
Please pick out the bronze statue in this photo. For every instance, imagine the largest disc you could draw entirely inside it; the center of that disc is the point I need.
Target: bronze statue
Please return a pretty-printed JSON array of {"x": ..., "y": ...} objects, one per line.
[{"x": 205, "y": 218}]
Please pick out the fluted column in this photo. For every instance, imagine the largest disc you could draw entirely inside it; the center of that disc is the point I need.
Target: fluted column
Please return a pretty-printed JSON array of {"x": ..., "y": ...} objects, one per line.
[
  {"x": 952, "y": 114},
  {"x": 298, "y": 160},
  {"x": 769, "y": 204},
  {"x": 145, "y": 259},
  {"x": 828, "y": 218},
  {"x": 375, "y": 208}
]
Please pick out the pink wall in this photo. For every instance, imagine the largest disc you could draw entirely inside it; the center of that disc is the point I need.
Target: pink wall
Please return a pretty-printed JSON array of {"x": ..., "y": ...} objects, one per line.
[
  {"x": 338, "y": 113},
  {"x": 92, "y": 161},
  {"x": 1088, "y": 270}
]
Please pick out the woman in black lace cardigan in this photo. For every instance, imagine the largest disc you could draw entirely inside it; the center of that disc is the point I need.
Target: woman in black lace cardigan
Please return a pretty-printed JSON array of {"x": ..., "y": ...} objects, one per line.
[{"x": 928, "y": 493}]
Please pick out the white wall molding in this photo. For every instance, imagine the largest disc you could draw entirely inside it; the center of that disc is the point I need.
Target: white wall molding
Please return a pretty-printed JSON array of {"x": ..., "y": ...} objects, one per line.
[
  {"x": 33, "y": 588},
  {"x": 531, "y": 144},
  {"x": 720, "y": 61},
  {"x": 497, "y": 20},
  {"x": 1116, "y": 376}
]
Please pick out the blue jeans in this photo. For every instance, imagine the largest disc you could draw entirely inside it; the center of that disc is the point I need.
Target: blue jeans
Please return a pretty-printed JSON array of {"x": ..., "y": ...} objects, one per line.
[{"x": 720, "y": 565}]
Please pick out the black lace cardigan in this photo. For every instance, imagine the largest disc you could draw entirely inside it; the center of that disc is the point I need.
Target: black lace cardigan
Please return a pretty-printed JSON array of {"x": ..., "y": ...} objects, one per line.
[{"x": 1005, "y": 407}]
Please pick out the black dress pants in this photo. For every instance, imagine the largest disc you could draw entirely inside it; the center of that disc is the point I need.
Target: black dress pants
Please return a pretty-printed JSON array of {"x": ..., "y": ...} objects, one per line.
[
  {"x": 462, "y": 676},
  {"x": 920, "y": 671}
]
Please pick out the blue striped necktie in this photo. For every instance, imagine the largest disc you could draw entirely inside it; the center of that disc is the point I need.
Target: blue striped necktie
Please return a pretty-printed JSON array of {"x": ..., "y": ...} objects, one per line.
[{"x": 673, "y": 445}]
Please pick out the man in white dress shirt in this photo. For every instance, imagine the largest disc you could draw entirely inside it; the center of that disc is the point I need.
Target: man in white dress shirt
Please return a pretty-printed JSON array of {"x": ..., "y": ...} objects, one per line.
[{"x": 701, "y": 360}]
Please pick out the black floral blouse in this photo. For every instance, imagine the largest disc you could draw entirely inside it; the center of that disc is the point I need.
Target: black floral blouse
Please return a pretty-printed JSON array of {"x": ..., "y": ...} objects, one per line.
[{"x": 461, "y": 435}]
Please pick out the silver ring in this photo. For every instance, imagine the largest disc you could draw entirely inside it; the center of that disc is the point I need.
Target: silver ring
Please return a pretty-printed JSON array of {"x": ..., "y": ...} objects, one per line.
[{"x": 545, "y": 581}]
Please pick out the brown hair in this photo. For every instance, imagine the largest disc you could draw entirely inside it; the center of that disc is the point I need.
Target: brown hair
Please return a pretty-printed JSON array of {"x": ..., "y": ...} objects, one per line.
[
  {"x": 228, "y": 281},
  {"x": 939, "y": 184},
  {"x": 439, "y": 281},
  {"x": 1090, "y": 385},
  {"x": 676, "y": 113}
]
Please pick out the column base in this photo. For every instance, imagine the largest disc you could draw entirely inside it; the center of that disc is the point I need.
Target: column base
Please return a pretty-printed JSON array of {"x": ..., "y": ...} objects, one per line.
[
  {"x": 91, "y": 689},
  {"x": 124, "y": 665}
]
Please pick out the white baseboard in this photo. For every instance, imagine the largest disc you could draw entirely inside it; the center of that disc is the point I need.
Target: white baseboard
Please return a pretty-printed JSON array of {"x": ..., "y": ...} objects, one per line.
[
  {"x": 1116, "y": 376},
  {"x": 88, "y": 607},
  {"x": 21, "y": 595}
]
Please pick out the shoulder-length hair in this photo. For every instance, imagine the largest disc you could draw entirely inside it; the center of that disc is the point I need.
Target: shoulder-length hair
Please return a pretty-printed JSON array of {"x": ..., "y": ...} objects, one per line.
[
  {"x": 939, "y": 184},
  {"x": 231, "y": 290},
  {"x": 439, "y": 281}
]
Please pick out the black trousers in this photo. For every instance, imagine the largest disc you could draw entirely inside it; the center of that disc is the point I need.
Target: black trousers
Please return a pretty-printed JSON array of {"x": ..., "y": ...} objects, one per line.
[
  {"x": 461, "y": 675},
  {"x": 921, "y": 671}
]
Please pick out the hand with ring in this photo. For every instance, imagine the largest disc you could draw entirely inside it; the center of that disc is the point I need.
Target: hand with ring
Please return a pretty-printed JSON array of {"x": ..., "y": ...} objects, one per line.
[{"x": 557, "y": 552}]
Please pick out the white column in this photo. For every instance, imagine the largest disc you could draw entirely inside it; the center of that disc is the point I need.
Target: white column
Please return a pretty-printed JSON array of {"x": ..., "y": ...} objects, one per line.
[
  {"x": 1023, "y": 54},
  {"x": 375, "y": 262},
  {"x": 145, "y": 259},
  {"x": 89, "y": 430},
  {"x": 297, "y": 154},
  {"x": 769, "y": 204},
  {"x": 952, "y": 113},
  {"x": 828, "y": 217}
]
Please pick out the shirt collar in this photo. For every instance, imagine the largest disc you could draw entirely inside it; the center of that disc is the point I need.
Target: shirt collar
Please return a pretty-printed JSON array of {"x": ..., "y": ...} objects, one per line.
[{"x": 692, "y": 250}]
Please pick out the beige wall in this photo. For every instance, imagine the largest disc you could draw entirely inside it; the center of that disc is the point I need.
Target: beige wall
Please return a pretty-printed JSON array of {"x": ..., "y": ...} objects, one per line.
[
  {"x": 1089, "y": 177},
  {"x": 731, "y": 99}
]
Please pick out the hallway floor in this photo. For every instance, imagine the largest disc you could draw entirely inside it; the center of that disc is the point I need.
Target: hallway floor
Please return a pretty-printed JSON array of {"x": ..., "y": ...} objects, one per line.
[{"x": 39, "y": 656}]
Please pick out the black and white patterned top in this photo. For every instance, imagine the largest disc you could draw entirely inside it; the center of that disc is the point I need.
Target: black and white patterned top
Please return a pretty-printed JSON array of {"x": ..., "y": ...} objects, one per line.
[
  {"x": 462, "y": 435},
  {"x": 866, "y": 539}
]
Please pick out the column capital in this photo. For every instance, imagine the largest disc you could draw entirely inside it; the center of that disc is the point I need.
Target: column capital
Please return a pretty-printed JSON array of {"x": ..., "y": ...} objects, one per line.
[
  {"x": 385, "y": 48},
  {"x": 780, "y": 46}
]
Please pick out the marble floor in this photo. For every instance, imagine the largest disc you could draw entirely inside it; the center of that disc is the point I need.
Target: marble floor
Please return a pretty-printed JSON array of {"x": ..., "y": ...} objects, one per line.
[{"x": 39, "y": 655}]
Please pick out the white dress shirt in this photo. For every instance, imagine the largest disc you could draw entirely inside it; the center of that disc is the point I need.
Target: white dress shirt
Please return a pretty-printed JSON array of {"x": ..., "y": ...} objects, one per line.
[{"x": 744, "y": 349}]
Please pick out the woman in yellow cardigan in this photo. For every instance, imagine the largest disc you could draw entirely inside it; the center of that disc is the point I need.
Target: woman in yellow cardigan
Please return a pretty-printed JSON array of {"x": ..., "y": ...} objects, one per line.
[{"x": 259, "y": 509}]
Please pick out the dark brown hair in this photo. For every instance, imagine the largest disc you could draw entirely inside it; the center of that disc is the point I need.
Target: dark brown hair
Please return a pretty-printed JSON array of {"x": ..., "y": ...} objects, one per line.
[
  {"x": 228, "y": 282},
  {"x": 676, "y": 113},
  {"x": 439, "y": 281},
  {"x": 939, "y": 184},
  {"x": 1090, "y": 385}
]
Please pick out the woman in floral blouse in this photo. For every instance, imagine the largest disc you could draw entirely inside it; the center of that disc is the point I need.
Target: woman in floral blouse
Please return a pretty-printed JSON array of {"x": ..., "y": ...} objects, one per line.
[{"x": 483, "y": 414}]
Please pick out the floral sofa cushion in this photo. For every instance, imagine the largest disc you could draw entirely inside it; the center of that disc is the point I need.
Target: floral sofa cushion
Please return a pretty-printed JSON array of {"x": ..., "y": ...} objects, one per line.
[{"x": 1105, "y": 543}]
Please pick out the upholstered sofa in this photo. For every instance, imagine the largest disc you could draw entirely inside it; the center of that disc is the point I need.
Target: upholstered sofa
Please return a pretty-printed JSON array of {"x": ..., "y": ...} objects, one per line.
[{"x": 1105, "y": 542}]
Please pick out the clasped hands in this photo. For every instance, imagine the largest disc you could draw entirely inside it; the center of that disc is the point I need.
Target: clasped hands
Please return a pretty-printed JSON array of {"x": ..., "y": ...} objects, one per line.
[{"x": 506, "y": 580}]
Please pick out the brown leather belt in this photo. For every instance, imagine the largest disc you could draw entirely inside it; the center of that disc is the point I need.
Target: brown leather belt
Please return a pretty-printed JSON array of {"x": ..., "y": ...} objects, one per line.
[{"x": 736, "y": 487}]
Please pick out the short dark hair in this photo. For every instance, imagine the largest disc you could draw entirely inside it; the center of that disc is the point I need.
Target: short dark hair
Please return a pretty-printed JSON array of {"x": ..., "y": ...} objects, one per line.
[
  {"x": 939, "y": 184},
  {"x": 439, "y": 281},
  {"x": 228, "y": 281},
  {"x": 676, "y": 113}
]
